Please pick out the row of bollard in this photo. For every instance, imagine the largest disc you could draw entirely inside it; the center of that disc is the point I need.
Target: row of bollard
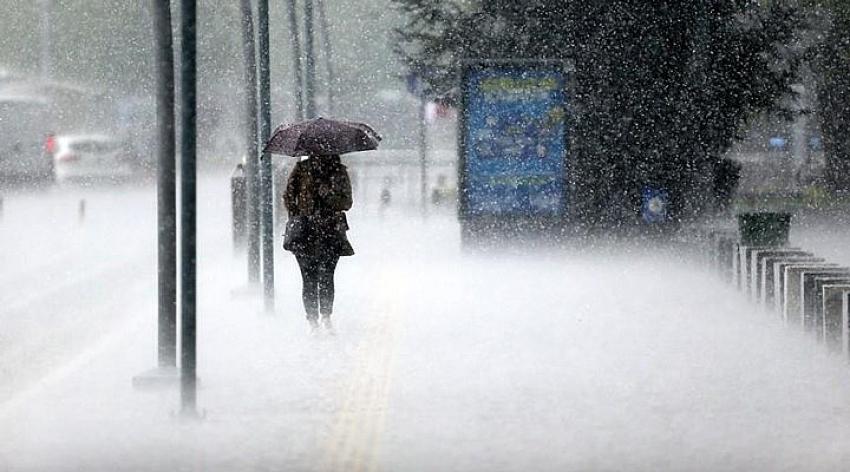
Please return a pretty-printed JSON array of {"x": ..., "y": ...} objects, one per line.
[{"x": 795, "y": 285}]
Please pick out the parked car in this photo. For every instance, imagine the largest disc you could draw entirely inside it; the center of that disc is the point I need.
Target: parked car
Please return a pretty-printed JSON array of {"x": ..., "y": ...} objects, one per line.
[
  {"x": 25, "y": 123},
  {"x": 91, "y": 158}
]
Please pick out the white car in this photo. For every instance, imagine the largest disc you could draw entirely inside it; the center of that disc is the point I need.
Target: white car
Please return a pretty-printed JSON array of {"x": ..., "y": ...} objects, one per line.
[{"x": 91, "y": 158}]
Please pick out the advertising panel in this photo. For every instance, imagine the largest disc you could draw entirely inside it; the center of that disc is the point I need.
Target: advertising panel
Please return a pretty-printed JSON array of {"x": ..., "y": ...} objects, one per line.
[{"x": 514, "y": 142}]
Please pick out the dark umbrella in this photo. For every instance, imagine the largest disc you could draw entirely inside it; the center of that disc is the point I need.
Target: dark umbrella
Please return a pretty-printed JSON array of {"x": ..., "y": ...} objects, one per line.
[{"x": 322, "y": 136}]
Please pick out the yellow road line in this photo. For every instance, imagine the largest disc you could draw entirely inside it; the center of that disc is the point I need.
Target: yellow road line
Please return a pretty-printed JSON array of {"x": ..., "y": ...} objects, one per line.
[
  {"x": 355, "y": 440},
  {"x": 384, "y": 394}
]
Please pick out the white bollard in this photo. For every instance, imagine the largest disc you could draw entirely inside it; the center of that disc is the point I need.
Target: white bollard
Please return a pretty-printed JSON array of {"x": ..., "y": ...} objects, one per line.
[
  {"x": 769, "y": 293},
  {"x": 792, "y": 300},
  {"x": 744, "y": 268},
  {"x": 832, "y": 299},
  {"x": 779, "y": 291},
  {"x": 820, "y": 283},
  {"x": 810, "y": 296},
  {"x": 755, "y": 265}
]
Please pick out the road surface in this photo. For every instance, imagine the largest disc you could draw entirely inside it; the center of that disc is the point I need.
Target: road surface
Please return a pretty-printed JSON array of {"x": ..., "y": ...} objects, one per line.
[{"x": 594, "y": 357}]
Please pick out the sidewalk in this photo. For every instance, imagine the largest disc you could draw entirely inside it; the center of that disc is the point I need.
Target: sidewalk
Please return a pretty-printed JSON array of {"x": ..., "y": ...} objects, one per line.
[{"x": 608, "y": 360}]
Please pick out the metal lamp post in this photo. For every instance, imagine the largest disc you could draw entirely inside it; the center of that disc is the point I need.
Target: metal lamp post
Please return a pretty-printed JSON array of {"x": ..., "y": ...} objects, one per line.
[
  {"x": 188, "y": 215},
  {"x": 166, "y": 371},
  {"x": 295, "y": 38},
  {"x": 251, "y": 164},
  {"x": 327, "y": 44},
  {"x": 310, "y": 61},
  {"x": 166, "y": 188},
  {"x": 266, "y": 178}
]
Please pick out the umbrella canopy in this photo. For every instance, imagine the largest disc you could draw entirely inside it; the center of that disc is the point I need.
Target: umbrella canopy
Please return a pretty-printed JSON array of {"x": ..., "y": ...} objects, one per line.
[{"x": 322, "y": 136}]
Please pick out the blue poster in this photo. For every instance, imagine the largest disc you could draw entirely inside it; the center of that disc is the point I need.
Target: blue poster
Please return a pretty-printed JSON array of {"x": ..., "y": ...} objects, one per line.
[{"x": 515, "y": 142}]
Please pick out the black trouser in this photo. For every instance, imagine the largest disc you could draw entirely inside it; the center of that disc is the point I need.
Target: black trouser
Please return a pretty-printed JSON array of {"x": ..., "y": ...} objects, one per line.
[{"x": 317, "y": 276}]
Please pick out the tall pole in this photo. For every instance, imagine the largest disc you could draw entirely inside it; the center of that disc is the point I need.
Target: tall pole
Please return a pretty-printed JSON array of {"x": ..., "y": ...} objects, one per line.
[
  {"x": 166, "y": 187},
  {"x": 266, "y": 180},
  {"x": 327, "y": 44},
  {"x": 251, "y": 165},
  {"x": 46, "y": 66},
  {"x": 295, "y": 37},
  {"x": 423, "y": 154},
  {"x": 310, "y": 61},
  {"x": 188, "y": 219}
]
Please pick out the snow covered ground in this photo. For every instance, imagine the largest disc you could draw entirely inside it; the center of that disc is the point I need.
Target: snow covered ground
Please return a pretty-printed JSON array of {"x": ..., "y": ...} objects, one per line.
[{"x": 591, "y": 358}]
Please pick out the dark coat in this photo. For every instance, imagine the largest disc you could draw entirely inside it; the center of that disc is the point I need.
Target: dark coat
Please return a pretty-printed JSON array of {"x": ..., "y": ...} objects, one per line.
[{"x": 319, "y": 188}]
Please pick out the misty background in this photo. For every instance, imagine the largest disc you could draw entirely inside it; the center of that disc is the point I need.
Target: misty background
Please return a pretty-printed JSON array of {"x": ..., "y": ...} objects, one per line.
[{"x": 105, "y": 50}]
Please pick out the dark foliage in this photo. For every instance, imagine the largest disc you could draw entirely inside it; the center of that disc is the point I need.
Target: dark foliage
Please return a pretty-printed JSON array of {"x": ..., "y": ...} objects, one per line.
[{"x": 662, "y": 87}]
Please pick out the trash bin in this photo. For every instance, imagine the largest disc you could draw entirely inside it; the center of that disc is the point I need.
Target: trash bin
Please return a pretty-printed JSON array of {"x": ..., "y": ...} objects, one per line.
[{"x": 765, "y": 229}]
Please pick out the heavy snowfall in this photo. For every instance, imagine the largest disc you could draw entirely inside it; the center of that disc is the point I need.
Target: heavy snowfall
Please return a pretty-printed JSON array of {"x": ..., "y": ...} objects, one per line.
[{"x": 539, "y": 279}]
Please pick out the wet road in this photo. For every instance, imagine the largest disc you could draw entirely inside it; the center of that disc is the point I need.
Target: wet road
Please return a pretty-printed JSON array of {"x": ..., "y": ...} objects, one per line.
[{"x": 588, "y": 358}]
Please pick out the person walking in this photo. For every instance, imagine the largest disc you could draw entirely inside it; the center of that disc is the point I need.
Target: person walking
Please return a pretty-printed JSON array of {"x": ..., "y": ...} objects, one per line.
[{"x": 318, "y": 193}]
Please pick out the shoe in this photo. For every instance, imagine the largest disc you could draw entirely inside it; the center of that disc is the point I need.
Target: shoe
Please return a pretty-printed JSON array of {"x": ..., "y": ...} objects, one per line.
[
  {"x": 314, "y": 325},
  {"x": 328, "y": 325}
]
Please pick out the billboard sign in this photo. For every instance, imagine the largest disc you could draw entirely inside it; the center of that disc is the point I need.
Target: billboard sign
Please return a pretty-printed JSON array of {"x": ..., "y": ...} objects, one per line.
[{"x": 514, "y": 140}]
